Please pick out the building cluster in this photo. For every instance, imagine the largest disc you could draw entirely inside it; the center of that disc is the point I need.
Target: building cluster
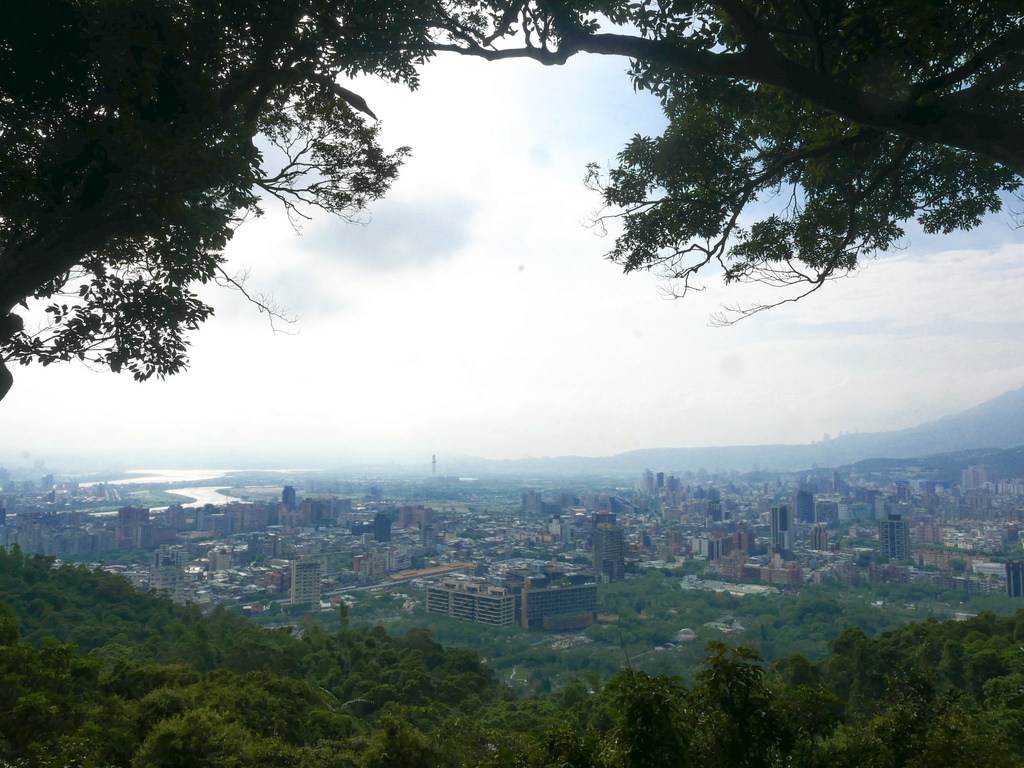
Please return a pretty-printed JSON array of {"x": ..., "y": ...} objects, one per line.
[
  {"x": 532, "y": 594},
  {"x": 311, "y": 550},
  {"x": 533, "y": 558},
  {"x": 816, "y": 526}
]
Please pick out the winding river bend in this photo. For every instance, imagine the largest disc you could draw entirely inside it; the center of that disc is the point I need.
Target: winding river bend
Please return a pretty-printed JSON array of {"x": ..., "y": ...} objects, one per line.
[{"x": 203, "y": 495}]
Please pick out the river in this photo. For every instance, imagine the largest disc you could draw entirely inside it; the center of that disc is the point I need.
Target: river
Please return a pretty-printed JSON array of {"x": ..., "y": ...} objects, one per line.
[
  {"x": 166, "y": 476},
  {"x": 203, "y": 495}
]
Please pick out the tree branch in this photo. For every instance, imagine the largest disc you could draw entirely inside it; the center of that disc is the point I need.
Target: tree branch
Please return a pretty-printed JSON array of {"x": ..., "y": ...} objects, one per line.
[
  {"x": 264, "y": 302},
  {"x": 997, "y": 137}
]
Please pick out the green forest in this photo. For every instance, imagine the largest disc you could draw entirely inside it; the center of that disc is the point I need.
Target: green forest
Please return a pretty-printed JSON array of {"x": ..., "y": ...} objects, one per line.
[
  {"x": 638, "y": 622},
  {"x": 97, "y": 674}
]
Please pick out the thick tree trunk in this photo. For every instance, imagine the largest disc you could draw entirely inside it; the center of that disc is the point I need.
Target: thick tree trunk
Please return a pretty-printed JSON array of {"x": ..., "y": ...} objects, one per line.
[
  {"x": 6, "y": 380},
  {"x": 9, "y": 325}
]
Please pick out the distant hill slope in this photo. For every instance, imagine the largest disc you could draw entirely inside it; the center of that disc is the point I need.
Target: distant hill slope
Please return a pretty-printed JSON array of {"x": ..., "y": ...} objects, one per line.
[
  {"x": 998, "y": 423},
  {"x": 943, "y": 467}
]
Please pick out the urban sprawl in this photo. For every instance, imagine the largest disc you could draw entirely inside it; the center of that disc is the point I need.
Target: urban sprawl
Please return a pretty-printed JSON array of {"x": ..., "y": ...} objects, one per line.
[{"x": 501, "y": 554}]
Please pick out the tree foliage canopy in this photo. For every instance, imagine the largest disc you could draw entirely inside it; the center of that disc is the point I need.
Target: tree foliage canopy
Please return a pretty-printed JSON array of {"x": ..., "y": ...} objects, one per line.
[
  {"x": 180, "y": 688},
  {"x": 129, "y": 153},
  {"x": 854, "y": 117}
]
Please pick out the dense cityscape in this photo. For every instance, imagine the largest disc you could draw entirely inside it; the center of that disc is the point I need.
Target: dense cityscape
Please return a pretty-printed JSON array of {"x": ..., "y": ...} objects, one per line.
[{"x": 503, "y": 554}]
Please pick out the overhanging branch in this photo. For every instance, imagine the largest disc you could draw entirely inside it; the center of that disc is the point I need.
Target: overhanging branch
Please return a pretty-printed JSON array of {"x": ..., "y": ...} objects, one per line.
[{"x": 944, "y": 120}]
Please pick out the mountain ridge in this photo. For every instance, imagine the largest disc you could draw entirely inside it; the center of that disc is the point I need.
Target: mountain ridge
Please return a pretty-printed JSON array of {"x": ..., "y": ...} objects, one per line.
[{"x": 996, "y": 423}]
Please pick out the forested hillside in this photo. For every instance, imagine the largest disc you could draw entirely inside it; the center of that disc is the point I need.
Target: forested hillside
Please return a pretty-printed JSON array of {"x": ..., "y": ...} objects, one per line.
[{"x": 95, "y": 674}]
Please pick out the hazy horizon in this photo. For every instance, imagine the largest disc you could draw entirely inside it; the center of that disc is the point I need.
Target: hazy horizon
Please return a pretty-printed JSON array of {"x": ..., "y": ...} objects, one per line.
[{"x": 403, "y": 461}]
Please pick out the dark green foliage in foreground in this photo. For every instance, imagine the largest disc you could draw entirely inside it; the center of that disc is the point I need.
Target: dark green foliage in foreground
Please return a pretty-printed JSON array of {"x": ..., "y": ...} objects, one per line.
[
  {"x": 129, "y": 155},
  {"x": 77, "y": 605},
  {"x": 188, "y": 690}
]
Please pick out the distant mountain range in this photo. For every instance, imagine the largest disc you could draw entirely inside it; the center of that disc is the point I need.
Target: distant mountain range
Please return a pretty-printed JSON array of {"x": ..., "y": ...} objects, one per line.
[
  {"x": 1006, "y": 463},
  {"x": 998, "y": 423}
]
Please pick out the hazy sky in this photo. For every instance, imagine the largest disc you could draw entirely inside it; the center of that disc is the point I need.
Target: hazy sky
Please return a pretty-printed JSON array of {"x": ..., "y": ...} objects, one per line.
[{"x": 475, "y": 313}]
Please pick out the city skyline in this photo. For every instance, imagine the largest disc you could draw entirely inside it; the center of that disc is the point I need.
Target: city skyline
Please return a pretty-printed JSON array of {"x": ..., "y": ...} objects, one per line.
[{"x": 474, "y": 314}]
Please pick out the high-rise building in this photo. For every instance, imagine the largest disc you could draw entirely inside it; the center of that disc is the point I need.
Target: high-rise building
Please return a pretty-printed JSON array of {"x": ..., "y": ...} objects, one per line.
[
  {"x": 168, "y": 556},
  {"x": 715, "y": 513},
  {"x": 826, "y": 511},
  {"x": 418, "y": 515},
  {"x": 314, "y": 511},
  {"x": 559, "y": 608},
  {"x": 288, "y": 497},
  {"x": 219, "y": 559},
  {"x": 902, "y": 491},
  {"x": 168, "y": 574},
  {"x": 782, "y": 529},
  {"x": 894, "y": 538},
  {"x": 473, "y": 601},
  {"x": 171, "y": 582},
  {"x": 306, "y": 575},
  {"x": 650, "y": 488},
  {"x": 532, "y": 503},
  {"x": 742, "y": 538},
  {"x": 819, "y": 537},
  {"x": 554, "y": 527},
  {"x": 134, "y": 529},
  {"x": 609, "y": 552},
  {"x": 1015, "y": 578},
  {"x": 975, "y": 477},
  {"x": 805, "y": 506},
  {"x": 381, "y": 527}
]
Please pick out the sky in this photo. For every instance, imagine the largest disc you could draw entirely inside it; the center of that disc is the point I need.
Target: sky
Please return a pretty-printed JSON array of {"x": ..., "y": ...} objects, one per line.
[{"x": 474, "y": 313}]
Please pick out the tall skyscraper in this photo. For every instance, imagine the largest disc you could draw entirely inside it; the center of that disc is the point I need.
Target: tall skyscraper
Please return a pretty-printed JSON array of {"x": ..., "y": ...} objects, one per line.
[
  {"x": 805, "y": 506},
  {"x": 288, "y": 497},
  {"x": 609, "y": 552},
  {"x": 134, "y": 529},
  {"x": 1015, "y": 578},
  {"x": 649, "y": 483},
  {"x": 381, "y": 527},
  {"x": 715, "y": 514},
  {"x": 894, "y": 538},
  {"x": 782, "y": 529},
  {"x": 819, "y": 537},
  {"x": 826, "y": 511},
  {"x": 306, "y": 575},
  {"x": 532, "y": 503}
]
